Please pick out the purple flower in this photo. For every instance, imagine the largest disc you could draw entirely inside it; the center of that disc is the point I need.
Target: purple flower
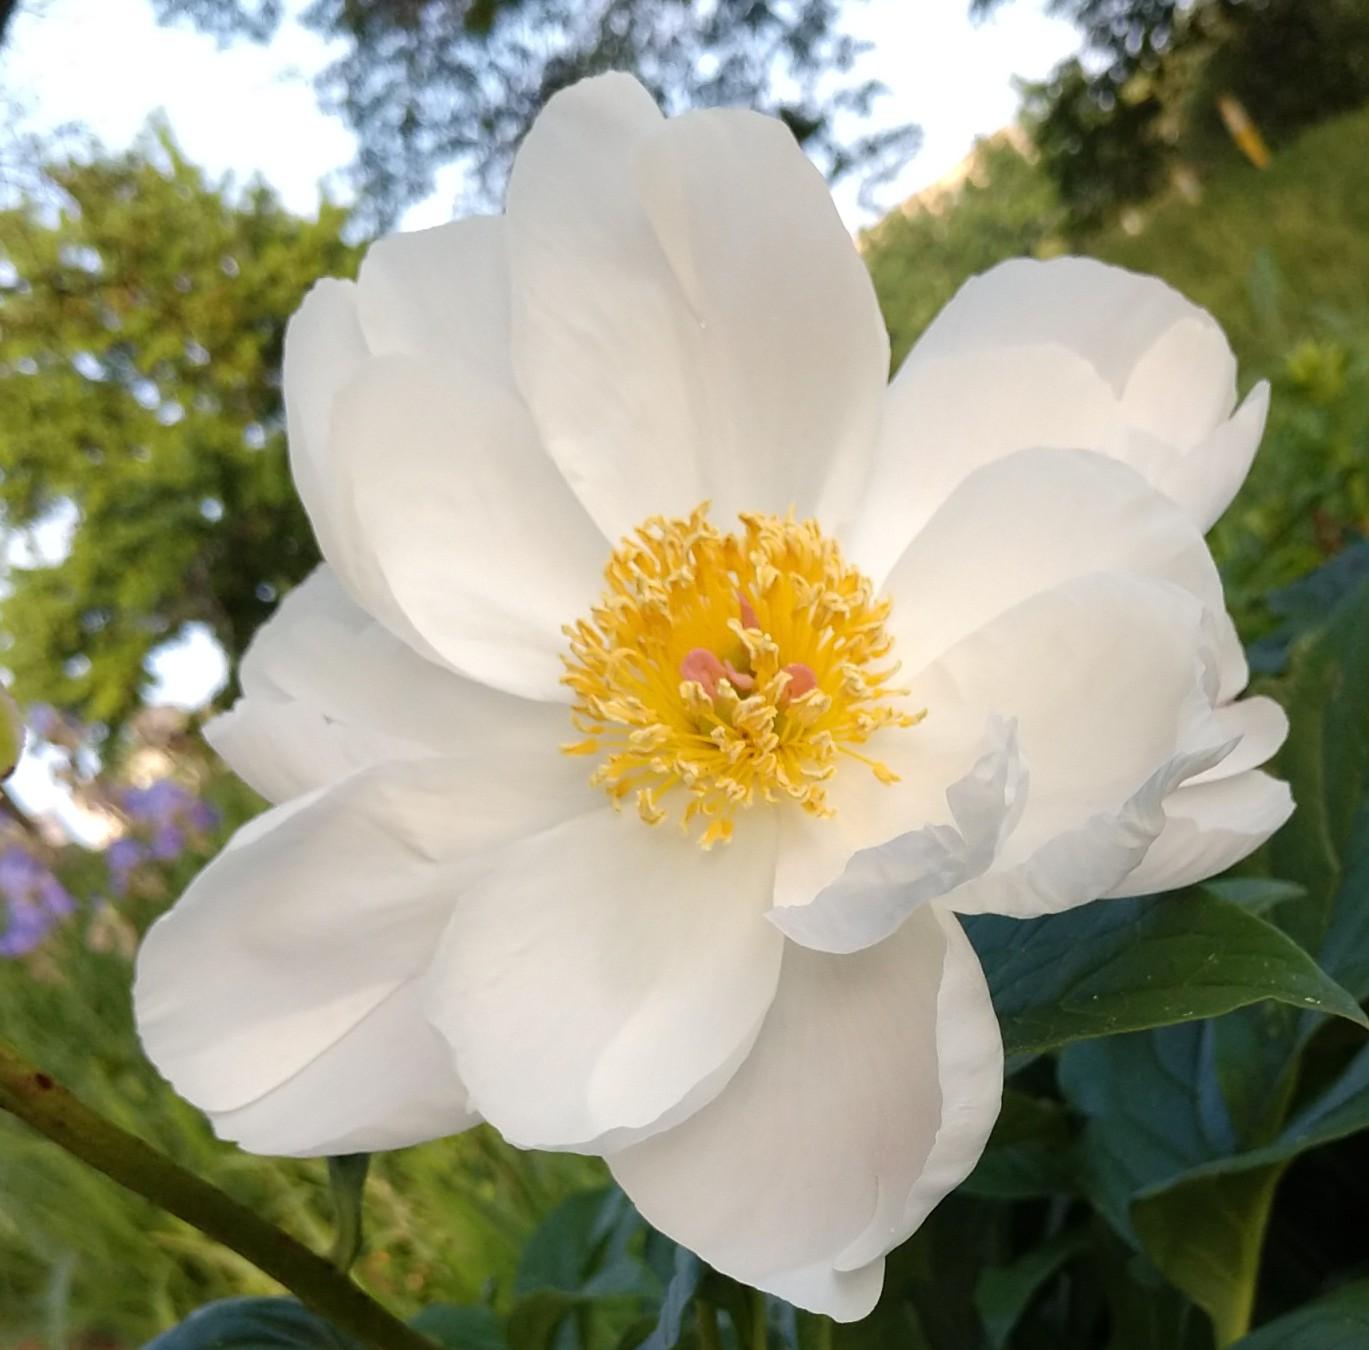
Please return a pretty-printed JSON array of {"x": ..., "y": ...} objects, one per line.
[
  {"x": 165, "y": 803},
  {"x": 32, "y": 900},
  {"x": 168, "y": 842}
]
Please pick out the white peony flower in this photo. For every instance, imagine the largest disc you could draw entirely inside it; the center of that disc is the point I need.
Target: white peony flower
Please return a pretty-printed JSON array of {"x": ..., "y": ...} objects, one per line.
[{"x": 638, "y": 827}]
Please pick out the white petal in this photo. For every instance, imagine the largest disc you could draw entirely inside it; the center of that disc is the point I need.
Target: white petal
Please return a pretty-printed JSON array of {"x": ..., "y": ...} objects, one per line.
[
  {"x": 690, "y": 319},
  {"x": 1087, "y": 859},
  {"x": 283, "y": 749},
  {"x": 794, "y": 350},
  {"x": 1028, "y": 522},
  {"x": 868, "y": 1095},
  {"x": 1184, "y": 387},
  {"x": 327, "y": 690},
  {"x": 388, "y": 1083},
  {"x": 881, "y": 885},
  {"x": 1110, "y": 682},
  {"x": 480, "y": 541},
  {"x": 605, "y": 978},
  {"x": 1261, "y": 726},
  {"x": 317, "y": 913},
  {"x": 1072, "y": 354},
  {"x": 597, "y": 318},
  {"x": 442, "y": 295},
  {"x": 1108, "y": 315},
  {"x": 324, "y": 349},
  {"x": 950, "y": 414},
  {"x": 1205, "y": 480},
  {"x": 1208, "y": 827}
]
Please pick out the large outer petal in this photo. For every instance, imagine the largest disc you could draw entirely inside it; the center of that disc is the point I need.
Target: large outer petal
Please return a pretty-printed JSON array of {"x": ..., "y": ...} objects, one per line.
[
  {"x": 328, "y": 690},
  {"x": 420, "y": 468},
  {"x": 1069, "y": 353},
  {"x": 690, "y": 318},
  {"x": 869, "y": 1094},
  {"x": 271, "y": 971},
  {"x": 604, "y": 979}
]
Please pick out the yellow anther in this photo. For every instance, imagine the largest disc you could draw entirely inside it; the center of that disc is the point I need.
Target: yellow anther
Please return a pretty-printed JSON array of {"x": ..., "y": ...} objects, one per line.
[{"x": 682, "y": 672}]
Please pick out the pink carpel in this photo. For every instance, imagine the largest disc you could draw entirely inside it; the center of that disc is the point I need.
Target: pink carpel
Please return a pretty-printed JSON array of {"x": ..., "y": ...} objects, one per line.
[
  {"x": 705, "y": 668},
  {"x": 748, "y": 613},
  {"x": 802, "y": 680}
]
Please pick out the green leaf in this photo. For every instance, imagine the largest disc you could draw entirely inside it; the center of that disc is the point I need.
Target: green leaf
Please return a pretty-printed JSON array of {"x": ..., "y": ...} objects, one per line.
[
  {"x": 1325, "y": 846},
  {"x": 1205, "y": 1235},
  {"x": 582, "y": 1248},
  {"x": 679, "y": 1294},
  {"x": 1003, "y": 1292},
  {"x": 1125, "y": 965},
  {"x": 1340, "y": 1321},
  {"x": 1028, "y": 1154},
  {"x": 1154, "y": 1110},
  {"x": 1341, "y": 1110},
  {"x": 347, "y": 1180},
  {"x": 461, "y": 1328},
  {"x": 253, "y": 1324},
  {"x": 535, "y": 1320}
]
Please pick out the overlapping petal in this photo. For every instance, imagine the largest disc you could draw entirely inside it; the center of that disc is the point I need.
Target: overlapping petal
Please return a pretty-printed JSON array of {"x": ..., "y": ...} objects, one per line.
[
  {"x": 1109, "y": 680},
  {"x": 603, "y": 979},
  {"x": 1069, "y": 354},
  {"x": 1032, "y": 520},
  {"x": 317, "y": 915},
  {"x": 421, "y": 470},
  {"x": 328, "y": 690},
  {"x": 691, "y": 320},
  {"x": 782, "y": 1181}
]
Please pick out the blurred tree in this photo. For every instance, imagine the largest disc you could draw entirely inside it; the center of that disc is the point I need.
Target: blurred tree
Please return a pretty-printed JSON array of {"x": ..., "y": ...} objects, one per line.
[
  {"x": 142, "y": 310},
  {"x": 1147, "y": 93},
  {"x": 427, "y": 83},
  {"x": 921, "y": 254}
]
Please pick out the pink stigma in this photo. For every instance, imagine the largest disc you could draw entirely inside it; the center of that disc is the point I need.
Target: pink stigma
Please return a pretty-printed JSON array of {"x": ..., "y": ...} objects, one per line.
[
  {"x": 703, "y": 667},
  {"x": 801, "y": 680},
  {"x": 749, "y": 619}
]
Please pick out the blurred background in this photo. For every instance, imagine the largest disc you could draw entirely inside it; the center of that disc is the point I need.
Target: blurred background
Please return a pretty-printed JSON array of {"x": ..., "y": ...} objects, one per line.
[{"x": 174, "y": 174}]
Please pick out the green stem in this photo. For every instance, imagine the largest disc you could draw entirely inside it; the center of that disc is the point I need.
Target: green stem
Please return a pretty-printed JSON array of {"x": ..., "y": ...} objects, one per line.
[
  {"x": 710, "y": 1335},
  {"x": 822, "y": 1332},
  {"x": 34, "y": 1098},
  {"x": 760, "y": 1330}
]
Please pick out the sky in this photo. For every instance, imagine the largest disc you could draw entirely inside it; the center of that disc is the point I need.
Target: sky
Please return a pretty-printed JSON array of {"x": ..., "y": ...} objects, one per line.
[{"x": 248, "y": 110}]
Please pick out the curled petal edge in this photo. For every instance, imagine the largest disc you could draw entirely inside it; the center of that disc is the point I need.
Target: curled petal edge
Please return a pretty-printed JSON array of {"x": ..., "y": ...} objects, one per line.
[{"x": 882, "y": 885}]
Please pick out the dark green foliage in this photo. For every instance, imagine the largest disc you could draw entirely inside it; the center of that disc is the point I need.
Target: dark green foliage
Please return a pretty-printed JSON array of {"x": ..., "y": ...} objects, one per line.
[
  {"x": 426, "y": 83},
  {"x": 142, "y": 312},
  {"x": 253, "y": 1324}
]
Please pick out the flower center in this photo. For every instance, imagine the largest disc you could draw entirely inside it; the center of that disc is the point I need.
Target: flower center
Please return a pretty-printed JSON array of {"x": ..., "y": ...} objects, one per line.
[{"x": 721, "y": 670}]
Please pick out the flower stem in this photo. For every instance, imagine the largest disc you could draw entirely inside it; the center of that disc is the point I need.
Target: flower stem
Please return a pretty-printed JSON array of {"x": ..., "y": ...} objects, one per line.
[
  {"x": 33, "y": 1097},
  {"x": 760, "y": 1323},
  {"x": 710, "y": 1335}
]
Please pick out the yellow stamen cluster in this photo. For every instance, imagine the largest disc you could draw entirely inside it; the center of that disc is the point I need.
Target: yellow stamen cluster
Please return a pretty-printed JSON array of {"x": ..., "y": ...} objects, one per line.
[{"x": 675, "y": 587}]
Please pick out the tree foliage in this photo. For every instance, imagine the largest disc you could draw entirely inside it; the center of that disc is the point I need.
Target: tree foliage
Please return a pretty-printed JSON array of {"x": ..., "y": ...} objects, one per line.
[
  {"x": 427, "y": 83},
  {"x": 1147, "y": 95},
  {"x": 142, "y": 311}
]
